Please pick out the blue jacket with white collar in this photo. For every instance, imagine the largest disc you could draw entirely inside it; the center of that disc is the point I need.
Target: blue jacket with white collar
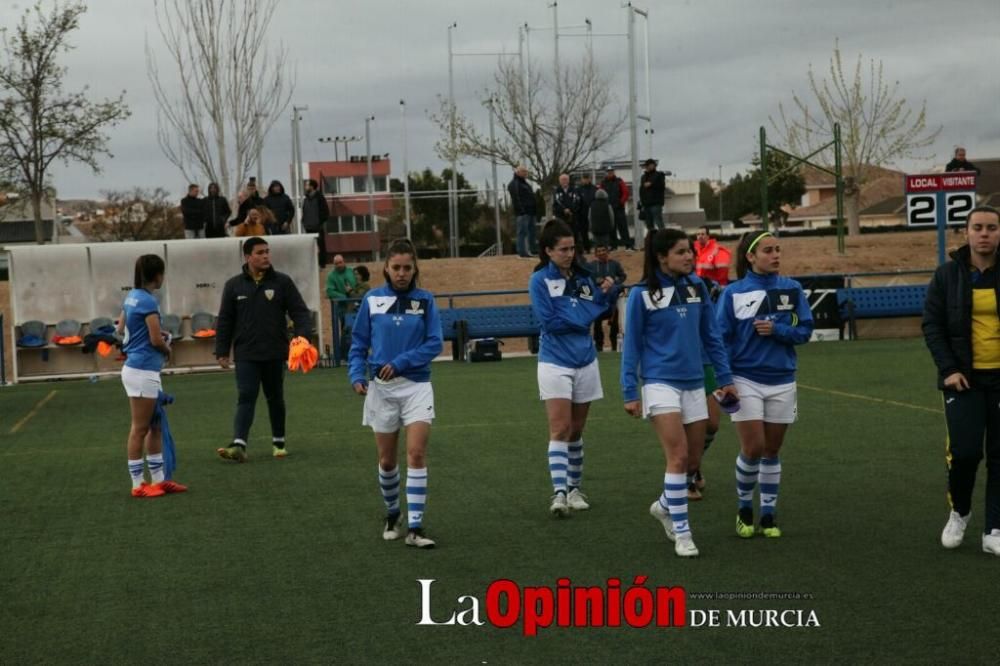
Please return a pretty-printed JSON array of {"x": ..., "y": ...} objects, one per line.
[
  {"x": 398, "y": 327},
  {"x": 665, "y": 335},
  {"x": 565, "y": 309},
  {"x": 765, "y": 359}
]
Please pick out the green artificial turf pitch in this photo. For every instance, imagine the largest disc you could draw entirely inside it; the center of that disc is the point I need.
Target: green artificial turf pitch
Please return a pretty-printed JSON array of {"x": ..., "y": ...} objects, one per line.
[{"x": 283, "y": 561}]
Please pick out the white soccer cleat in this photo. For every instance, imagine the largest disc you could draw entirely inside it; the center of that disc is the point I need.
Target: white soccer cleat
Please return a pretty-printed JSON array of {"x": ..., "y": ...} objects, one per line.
[
  {"x": 393, "y": 527},
  {"x": 559, "y": 508},
  {"x": 662, "y": 515},
  {"x": 416, "y": 538},
  {"x": 684, "y": 546},
  {"x": 991, "y": 542},
  {"x": 577, "y": 500},
  {"x": 954, "y": 530}
]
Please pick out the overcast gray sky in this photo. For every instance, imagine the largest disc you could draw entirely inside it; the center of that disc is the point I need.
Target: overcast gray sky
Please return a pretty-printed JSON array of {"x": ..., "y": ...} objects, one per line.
[{"x": 719, "y": 69}]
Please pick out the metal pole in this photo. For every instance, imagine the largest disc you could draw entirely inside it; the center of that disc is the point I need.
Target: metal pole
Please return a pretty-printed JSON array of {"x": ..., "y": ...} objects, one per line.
[
  {"x": 634, "y": 139},
  {"x": 406, "y": 174},
  {"x": 260, "y": 146},
  {"x": 721, "y": 188},
  {"x": 841, "y": 246},
  {"x": 555, "y": 36},
  {"x": 649, "y": 111},
  {"x": 297, "y": 170},
  {"x": 370, "y": 187},
  {"x": 496, "y": 186},
  {"x": 453, "y": 184},
  {"x": 763, "y": 179}
]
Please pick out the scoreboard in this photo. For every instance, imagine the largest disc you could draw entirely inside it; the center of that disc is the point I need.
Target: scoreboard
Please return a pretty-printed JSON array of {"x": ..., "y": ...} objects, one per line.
[{"x": 940, "y": 200}]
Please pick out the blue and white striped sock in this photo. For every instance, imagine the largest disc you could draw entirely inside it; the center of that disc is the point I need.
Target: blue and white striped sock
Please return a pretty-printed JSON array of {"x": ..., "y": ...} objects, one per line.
[
  {"x": 558, "y": 464},
  {"x": 575, "y": 468},
  {"x": 416, "y": 495},
  {"x": 675, "y": 500},
  {"x": 769, "y": 479},
  {"x": 155, "y": 464},
  {"x": 388, "y": 482},
  {"x": 135, "y": 471},
  {"x": 746, "y": 480}
]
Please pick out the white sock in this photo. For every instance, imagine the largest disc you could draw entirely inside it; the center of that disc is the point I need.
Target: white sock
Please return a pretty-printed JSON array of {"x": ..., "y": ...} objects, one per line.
[{"x": 135, "y": 471}]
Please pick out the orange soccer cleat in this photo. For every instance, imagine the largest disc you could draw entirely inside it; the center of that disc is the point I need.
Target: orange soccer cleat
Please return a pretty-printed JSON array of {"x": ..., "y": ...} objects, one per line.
[
  {"x": 147, "y": 490},
  {"x": 170, "y": 487}
]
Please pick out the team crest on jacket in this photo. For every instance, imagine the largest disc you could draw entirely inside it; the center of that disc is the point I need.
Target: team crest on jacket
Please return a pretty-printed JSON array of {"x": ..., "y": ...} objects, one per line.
[
  {"x": 269, "y": 293},
  {"x": 415, "y": 308},
  {"x": 586, "y": 293},
  {"x": 693, "y": 296},
  {"x": 783, "y": 302}
]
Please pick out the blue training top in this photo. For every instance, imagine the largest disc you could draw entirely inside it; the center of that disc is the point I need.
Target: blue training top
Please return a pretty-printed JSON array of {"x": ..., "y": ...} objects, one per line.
[
  {"x": 139, "y": 350},
  {"x": 397, "y": 327},
  {"x": 565, "y": 309},
  {"x": 765, "y": 359},
  {"x": 665, "y": 336}
]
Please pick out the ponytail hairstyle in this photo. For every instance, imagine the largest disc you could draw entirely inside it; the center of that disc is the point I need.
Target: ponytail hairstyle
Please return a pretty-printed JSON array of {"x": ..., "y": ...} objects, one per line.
[
  {"x": 658, "y": 243},
  {"x": 401, "y": 246},
  {"x": 552, "y": 232},
  {"x": 147, "y": 268},
  {"x": 747, "y": 244}
]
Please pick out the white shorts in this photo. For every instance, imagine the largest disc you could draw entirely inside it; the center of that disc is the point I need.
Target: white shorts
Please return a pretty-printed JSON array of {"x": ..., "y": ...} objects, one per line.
[
  {"x": 665, "y": 399},
  {"x": 397, "y": 402},
  {"x": 578, "y": 385},
  {"x": 140, "y": 383},
  {"x": 761, "y": 402}
]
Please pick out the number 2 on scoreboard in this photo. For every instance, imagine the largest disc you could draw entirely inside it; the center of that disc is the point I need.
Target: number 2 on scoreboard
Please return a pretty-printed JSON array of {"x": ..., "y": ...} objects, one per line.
[{"x": 958, "y": 206}]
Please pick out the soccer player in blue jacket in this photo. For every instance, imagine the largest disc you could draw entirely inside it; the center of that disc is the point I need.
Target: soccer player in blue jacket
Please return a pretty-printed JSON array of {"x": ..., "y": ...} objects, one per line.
[
  {"x": 566, "y": 301},
  {"x": 395, "y": 337},
  {"x": 762, "y": 316},
  {"x": 668, "y": 321},
  {"x": 145, "y": 347}
]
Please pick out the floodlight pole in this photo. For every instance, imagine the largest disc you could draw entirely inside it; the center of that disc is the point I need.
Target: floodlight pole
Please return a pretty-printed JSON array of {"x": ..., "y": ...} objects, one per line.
[
  {"x": 496, "y": 186},
  {"x": 406, "y": 174},
  {"x": 763, "y": 180},
  {"x": 453, "y": 186},
  {"x": 370, "y": 187},
  {"x": 296, "y": 167},
  {"x": 632, "y": 120}
]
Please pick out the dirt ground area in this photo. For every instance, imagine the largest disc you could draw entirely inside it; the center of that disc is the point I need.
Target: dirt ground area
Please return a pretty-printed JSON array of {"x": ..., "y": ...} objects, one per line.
[{"x": 800, "y": 256}]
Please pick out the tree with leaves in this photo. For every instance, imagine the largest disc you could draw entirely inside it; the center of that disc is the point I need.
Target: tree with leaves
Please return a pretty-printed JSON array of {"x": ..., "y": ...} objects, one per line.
[
  {"x": 429, "y": 206},
  {"x": 138, "y": 214},
  {"x": 227, "y": 88},
  {"x": 877, "y": 125},
  {"x": 551, "y": 129},
  {"x": 39, "y": 121}
]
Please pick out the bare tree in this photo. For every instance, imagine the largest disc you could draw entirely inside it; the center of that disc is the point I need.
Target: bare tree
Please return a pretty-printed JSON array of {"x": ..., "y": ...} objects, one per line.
[
  {"x": 550, "y": 129},
  {"x": 228, "y": 88},
  {"x": 877, "y": 125},
  {"x": 138, "y": 214},
  {"x": 39, "y": 122}
]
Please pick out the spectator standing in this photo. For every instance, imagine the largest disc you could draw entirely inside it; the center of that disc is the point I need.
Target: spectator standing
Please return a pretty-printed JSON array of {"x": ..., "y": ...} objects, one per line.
[
  {"x": 566, "y": 205},
  {"x": 193, "y": 212},
  {"x": 522, "y": 198},
  {"x": 254, "y": 224},
  {"x": 253, "y": 322},
  {"x": 586, "y": 189},
  {"x": 250, "y": 198},
  {"x": 281, "y": 207},
  {"x": 315, "y": 213},
  {"x": 602, "y": 220},
  {"x": 959, "y": 163},
  {"x": 618, "y": 194},
  {"x": 340, "y": 285},
  {"x": 604, "y": 267},
  {"x": 652, "y": 192},
  {"x": 217, "y": 212}
]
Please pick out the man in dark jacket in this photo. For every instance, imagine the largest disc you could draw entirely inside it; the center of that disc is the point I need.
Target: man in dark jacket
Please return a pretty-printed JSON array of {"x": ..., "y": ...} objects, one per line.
[
  {"x": 602, "y": 267},
  {"x": 586, "y": 190},
  {"x": 281, "y": 206},
  {"x": 217, "y": 212},
  {"x": 962, "y": 330},
  {"x": 618, "y": 194},
  {"x": 522, "y": 198},
  {"x": 602, "y": 220},
  {"x": 193, "y": 212},
  {"x": 565, "y": 206},
  {"x": 252, "y": 320},
  {"x": 652, "y": 190},
  {"x": 250, "y": 198},
  {"x": 959, "y": 163},
  {"x": 315, "y": 213}
]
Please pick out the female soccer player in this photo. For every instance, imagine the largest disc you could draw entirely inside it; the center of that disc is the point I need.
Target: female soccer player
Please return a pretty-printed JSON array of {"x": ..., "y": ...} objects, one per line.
[
  {"x": 566, "y": 301},
  {"x": 668, "y": 320},
  {"x": 145, "y": 347},
  {"x": 962, "y": 330},
  {"x": 397, "y": 333},
  {"x": 762, "y": 316}
]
